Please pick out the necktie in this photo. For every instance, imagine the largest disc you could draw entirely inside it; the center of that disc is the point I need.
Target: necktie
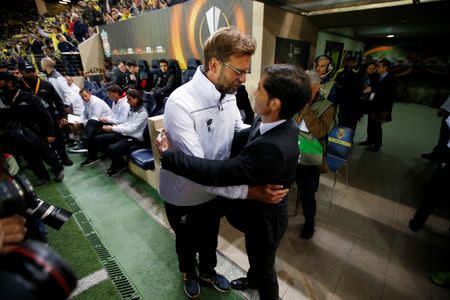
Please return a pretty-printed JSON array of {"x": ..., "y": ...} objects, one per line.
[{"x": 257, "y": 133}]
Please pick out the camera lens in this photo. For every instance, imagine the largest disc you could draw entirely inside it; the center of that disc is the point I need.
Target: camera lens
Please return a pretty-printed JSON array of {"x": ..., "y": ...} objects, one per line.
[
  {"x": 17, "y": 197},
  {"x": 38, "y": 271},
  {"x": 53, "y": 216},
  {"x": 11, "y": 198}
]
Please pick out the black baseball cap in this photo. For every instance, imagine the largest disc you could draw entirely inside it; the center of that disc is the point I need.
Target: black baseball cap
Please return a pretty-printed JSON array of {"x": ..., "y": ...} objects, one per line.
[{"x": 26, "y": 66}]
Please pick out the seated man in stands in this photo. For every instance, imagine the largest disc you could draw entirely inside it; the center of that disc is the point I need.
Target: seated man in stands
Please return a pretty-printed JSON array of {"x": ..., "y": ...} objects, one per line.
[
  {"x": 64, "y": 45},
  {"x": 132, "y": 76},
  {"x": 165, "y": 83},
  {"x": 94, "y": 108},
  {"x": 119, "y": 75},
  {"x": 118, "y": 139}
]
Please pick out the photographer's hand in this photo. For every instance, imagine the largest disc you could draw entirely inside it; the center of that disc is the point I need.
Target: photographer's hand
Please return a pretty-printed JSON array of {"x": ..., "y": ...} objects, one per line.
[{"x": 12, "y": 232}]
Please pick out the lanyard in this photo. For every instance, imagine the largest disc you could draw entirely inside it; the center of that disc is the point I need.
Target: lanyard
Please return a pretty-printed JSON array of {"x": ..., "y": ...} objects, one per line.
[{"x": 37, "y": 85}]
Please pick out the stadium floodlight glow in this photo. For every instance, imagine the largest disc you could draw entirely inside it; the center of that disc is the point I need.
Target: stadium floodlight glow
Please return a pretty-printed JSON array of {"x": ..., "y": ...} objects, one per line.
[{"x": 390, "y": 36}]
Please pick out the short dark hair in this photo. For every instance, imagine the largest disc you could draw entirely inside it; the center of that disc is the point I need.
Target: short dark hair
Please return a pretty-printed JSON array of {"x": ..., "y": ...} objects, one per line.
[
  {"x": 114, "y": 89},
  {"x": 385, "y": 62},
  {"x": 290, "y": 85},
  {"x": 85, "y": 90},
  {"x": 131, "y": 63},
  {"x": 135, "y": 94},
  {"x": 164, "y": 61}
]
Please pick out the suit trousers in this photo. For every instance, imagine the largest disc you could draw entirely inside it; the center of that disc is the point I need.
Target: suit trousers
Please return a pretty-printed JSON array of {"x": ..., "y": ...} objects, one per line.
[
  {"x": 264, "y": 226},
  {"x": 308, "y": 183},
  {"x": 374, "y": 131},
  {"x": 196, "y": 231}
]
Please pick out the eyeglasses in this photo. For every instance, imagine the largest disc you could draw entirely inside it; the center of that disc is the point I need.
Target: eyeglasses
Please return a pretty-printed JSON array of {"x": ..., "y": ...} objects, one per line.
[{"x": 238, "y": 72}]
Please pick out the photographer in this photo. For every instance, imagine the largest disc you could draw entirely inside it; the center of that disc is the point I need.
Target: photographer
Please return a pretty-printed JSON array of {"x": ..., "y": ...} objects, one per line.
[{"x": 28, "y": 129}]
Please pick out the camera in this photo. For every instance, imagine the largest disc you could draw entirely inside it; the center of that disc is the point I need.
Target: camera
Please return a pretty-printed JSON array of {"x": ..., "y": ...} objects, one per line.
[
  {"x": 32, "y": 270},
  {"x": 18, "y": 197}
]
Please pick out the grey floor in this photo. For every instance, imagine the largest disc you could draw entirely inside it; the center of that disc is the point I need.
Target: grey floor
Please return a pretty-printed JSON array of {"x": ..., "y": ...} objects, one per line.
[{"x": 362, "y": 247}]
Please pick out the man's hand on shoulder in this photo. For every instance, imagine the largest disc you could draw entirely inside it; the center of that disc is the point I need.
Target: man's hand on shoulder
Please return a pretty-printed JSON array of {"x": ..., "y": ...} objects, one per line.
[{"x": 270, "y": 193}]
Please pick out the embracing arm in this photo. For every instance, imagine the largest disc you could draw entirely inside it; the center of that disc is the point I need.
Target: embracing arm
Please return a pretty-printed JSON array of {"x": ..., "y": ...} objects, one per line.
[{"x": 248, "y": 168}]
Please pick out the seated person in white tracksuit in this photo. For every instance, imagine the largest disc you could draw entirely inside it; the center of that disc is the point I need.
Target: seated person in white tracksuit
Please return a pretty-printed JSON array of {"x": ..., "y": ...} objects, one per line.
[
  {"x": 94, "y": 109},
  {"x": 118, "y": 139},
  {"x": 119, "y": 114}
]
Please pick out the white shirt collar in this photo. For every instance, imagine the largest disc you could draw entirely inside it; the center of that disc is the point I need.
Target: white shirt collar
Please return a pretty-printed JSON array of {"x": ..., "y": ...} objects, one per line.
[{"x": 264, "y": 127}]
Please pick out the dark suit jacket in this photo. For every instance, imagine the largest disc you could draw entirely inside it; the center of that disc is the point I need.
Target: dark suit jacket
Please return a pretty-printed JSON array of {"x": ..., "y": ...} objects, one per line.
[
  {"x": 270, "y": 158},
  {"x": 385, "y": 94}
]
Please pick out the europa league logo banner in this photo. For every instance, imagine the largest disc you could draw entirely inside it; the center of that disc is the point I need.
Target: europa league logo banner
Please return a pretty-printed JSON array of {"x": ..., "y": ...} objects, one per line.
[{"x": 177, "y": 32}]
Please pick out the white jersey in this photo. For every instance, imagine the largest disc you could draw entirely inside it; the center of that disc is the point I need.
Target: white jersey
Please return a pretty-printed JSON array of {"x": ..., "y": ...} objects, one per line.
[{"x": 200, "y": 122}]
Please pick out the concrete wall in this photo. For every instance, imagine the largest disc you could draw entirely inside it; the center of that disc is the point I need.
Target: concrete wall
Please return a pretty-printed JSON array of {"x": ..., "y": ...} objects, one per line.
[
  {"x": 271, "y": 22},
  {"x": 283, "y": 24}
]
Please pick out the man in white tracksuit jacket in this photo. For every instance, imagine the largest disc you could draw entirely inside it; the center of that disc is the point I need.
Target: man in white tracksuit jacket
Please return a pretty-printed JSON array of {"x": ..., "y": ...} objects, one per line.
[{"x": 69, "y": 96}]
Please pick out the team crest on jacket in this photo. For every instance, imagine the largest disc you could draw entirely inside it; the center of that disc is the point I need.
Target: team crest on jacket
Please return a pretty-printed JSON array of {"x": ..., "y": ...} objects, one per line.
[{"x": 341, "y": 133}]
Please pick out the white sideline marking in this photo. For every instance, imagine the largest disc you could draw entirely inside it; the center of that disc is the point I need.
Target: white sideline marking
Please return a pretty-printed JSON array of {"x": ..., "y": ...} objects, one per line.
[{"x": 89, "y": 281}]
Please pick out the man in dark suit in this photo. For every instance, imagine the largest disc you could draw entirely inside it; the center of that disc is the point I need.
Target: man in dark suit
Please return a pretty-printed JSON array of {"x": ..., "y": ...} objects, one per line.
[
  {"x": 380, "y": 106},
  {"x": 269, "y": 154}
]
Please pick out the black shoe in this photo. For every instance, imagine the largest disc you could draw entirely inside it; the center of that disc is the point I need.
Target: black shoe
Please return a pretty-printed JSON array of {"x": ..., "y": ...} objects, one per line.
[
  {"x": 66, "y": 161},
  {"x": 115, "y": 171},
  {"x": 307, "y": 232},
  {"x": 241, "y": 284},
  {"x": 59, "y": 176},
  {"x": 89, "y": 161},
  {"x": 79, "y": 148},
  {"x": 365, "y": 143},
  {"x": 415, "y": 225}
]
